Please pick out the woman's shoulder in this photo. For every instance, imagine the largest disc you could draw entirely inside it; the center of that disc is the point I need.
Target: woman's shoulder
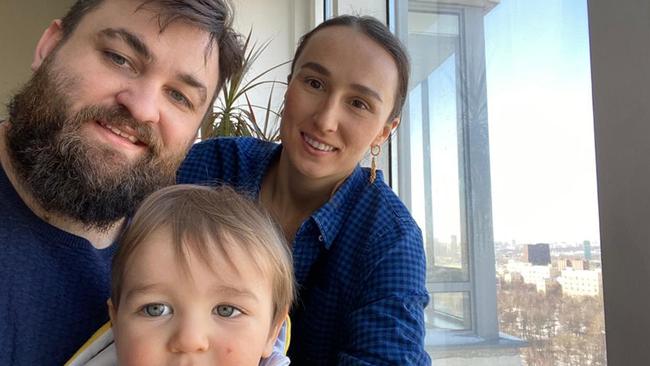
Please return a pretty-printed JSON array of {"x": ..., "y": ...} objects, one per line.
[
  {"x": 379, "y": 209},
  {"x": 385, "y": 198},
  {"x": 381, "y": 229}
]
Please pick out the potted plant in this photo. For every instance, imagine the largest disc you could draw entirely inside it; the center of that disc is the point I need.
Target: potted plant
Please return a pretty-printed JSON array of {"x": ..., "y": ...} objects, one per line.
[{"x": 233, "y": 114}]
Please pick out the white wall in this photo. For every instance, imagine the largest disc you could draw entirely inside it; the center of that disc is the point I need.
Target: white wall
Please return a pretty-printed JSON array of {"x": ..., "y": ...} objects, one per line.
[
  {"x": 21, "y": 24},
  {"x": 361, "y": 7}
]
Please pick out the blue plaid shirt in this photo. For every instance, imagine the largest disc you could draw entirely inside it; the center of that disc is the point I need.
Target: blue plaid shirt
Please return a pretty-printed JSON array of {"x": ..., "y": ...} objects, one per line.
[{"x": 358, "y": 260}]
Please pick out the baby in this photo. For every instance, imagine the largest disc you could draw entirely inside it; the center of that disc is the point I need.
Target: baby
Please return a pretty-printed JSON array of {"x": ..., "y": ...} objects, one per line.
[{"x": 202, "y": 276}]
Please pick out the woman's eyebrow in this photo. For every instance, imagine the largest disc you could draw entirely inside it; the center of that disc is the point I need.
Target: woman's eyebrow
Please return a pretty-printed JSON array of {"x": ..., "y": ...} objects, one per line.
[
  {"x": 363, "y": 89},
  {"x": 316, "y": 67}
]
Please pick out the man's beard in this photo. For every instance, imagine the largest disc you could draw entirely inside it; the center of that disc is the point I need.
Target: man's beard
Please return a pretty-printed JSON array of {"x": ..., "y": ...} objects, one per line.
[{"x": 70, "y": 176}]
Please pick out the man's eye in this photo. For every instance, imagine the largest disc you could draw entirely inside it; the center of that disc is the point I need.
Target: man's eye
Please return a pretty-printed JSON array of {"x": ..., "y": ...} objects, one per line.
[
  {"x": 179, "y": 97},
  {"x": 226, "y": 311},
  {"x": 116, "y": 59},
  {"x": 156, "y": 310}
]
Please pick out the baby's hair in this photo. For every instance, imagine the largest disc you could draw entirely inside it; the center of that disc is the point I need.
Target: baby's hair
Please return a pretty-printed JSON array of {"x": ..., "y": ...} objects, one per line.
[{"x": 205, "y": 221}]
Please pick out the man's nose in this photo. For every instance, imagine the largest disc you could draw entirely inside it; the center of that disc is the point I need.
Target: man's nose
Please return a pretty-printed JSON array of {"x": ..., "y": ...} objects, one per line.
[{"x": 142, "y": 99}]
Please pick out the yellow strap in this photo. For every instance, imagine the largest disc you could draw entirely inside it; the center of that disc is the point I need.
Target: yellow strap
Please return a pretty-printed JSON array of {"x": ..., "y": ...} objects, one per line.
[
  {"x": 90, "y": 341},
  {"x": 286, "y": 345}
]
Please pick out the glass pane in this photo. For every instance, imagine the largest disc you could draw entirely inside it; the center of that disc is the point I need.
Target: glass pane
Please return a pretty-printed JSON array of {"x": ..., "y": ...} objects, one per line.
[
  {"x": 449, "y": 310},
  {"x": 434, "y": 118},
  {"x": 544, "y": 181},
  {"x": 502, "y": 181}
]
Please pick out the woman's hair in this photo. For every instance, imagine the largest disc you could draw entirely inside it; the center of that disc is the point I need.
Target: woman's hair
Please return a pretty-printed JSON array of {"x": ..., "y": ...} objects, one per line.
[
  {"x": 212, "y": 16},
  {"x": 207, "y": 222},
  {"x": 378, "y": 32}
]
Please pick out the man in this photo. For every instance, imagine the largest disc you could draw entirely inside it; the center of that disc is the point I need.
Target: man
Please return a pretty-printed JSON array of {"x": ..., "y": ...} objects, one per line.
[{"x": 119, "y": 90}]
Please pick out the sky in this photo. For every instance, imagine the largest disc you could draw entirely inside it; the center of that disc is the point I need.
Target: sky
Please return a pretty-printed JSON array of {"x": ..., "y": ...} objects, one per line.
[
  {"x": 541, "y": 142},
  {"x": 541, "y": 122}
]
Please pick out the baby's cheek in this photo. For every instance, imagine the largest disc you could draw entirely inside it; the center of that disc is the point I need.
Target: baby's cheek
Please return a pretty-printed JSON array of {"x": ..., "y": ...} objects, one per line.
[
  {"x": 237, "y": 354},
  {"x": 139, "y": 352}
]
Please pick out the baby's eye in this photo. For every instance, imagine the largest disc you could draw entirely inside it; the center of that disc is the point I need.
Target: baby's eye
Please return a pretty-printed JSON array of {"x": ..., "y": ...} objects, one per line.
[
  {"x": 226, "y": 311},
  {"x": 156, "y": 310}
]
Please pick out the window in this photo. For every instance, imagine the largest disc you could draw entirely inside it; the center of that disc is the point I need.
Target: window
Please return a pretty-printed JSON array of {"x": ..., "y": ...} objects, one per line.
[{"x": 495, "y": 159}]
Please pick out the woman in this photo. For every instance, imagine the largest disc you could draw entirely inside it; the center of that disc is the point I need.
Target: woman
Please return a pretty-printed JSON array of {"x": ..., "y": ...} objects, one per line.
[{"x": 358, "y": 254}]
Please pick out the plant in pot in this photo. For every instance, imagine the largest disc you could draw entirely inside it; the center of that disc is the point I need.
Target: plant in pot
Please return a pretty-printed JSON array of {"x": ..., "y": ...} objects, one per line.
[{"x": 233, "y": 113}]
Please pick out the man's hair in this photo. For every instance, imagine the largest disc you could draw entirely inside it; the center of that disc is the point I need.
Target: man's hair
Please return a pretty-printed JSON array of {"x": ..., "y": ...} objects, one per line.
[
  {"x": 378, "y": 32},
  {"x": 212, "y": 16},
  {"x": 210, "y": 221}
]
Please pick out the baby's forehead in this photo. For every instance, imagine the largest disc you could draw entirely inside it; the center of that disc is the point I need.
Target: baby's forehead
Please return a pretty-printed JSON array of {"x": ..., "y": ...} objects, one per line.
[
  {"x": 199, "y": 264},
  {"x": 220, "y": 252}
]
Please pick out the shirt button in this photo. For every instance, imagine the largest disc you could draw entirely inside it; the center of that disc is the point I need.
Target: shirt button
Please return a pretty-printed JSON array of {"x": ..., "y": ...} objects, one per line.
[{"x": 320, "y": 238}]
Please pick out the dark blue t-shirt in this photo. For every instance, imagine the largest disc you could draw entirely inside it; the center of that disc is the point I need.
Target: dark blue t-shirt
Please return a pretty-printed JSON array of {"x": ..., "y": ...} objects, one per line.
[{"x": 53, "y": 286}]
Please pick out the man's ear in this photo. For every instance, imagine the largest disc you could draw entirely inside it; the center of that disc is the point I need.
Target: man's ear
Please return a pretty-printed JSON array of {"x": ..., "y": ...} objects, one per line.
[
  {"x": 112, "y": 312},
  {"x": 273, "y": 336},
  {"x": 48, "y": 42},
  {"x": 385, "y": 132}
]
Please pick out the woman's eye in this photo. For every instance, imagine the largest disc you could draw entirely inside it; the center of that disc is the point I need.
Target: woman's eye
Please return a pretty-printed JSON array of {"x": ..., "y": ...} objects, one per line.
[
  {"x": 359, "y": 104},
  {"x": 156, "y": 310},
  {"x": 226, "y": 311},
  {"x": 314, "y": 83}
]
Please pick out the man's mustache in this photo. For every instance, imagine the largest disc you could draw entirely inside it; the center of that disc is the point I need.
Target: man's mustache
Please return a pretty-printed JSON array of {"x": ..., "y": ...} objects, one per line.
[{"x": 120, "y": 117}]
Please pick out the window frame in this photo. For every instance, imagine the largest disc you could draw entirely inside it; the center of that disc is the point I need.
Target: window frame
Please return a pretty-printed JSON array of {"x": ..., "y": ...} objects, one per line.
[{"x": 476, "y": 210}]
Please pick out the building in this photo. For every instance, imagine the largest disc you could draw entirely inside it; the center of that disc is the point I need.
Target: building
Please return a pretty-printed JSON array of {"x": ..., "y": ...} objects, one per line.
[
  {"x": 577, "y": 282},
  {"x": 576, "y": 264},
  {"x": 537, "y": 254},
  {"x": 529, "y": 274},
  {"x": 587, "y": 250}
]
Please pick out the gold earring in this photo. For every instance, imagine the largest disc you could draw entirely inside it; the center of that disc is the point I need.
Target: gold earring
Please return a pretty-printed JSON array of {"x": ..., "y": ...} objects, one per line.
[{"x": 375, "y": 150}]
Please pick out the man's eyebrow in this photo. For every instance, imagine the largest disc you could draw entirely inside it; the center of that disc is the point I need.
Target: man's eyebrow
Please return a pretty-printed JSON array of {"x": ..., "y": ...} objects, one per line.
[
  {"x": 131, "y": 39},
  {"x": 138, "y": 46},
  {"x": 358, "y": 87},
  {"x": 195, "y": 83}
]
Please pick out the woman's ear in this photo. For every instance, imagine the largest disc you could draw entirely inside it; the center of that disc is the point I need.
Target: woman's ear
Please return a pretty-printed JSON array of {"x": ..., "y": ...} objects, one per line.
[
  {"x": 49, "y": 40},
  {"x": 385, "y": 132}
]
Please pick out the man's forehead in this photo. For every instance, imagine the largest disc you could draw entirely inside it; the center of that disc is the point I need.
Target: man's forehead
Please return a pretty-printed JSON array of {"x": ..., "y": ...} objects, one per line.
[{"x": 186, "y": 43}]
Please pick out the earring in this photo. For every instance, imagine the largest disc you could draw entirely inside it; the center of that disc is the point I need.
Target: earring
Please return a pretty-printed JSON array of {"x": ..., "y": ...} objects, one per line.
[{"x": 375, "y": 150}]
